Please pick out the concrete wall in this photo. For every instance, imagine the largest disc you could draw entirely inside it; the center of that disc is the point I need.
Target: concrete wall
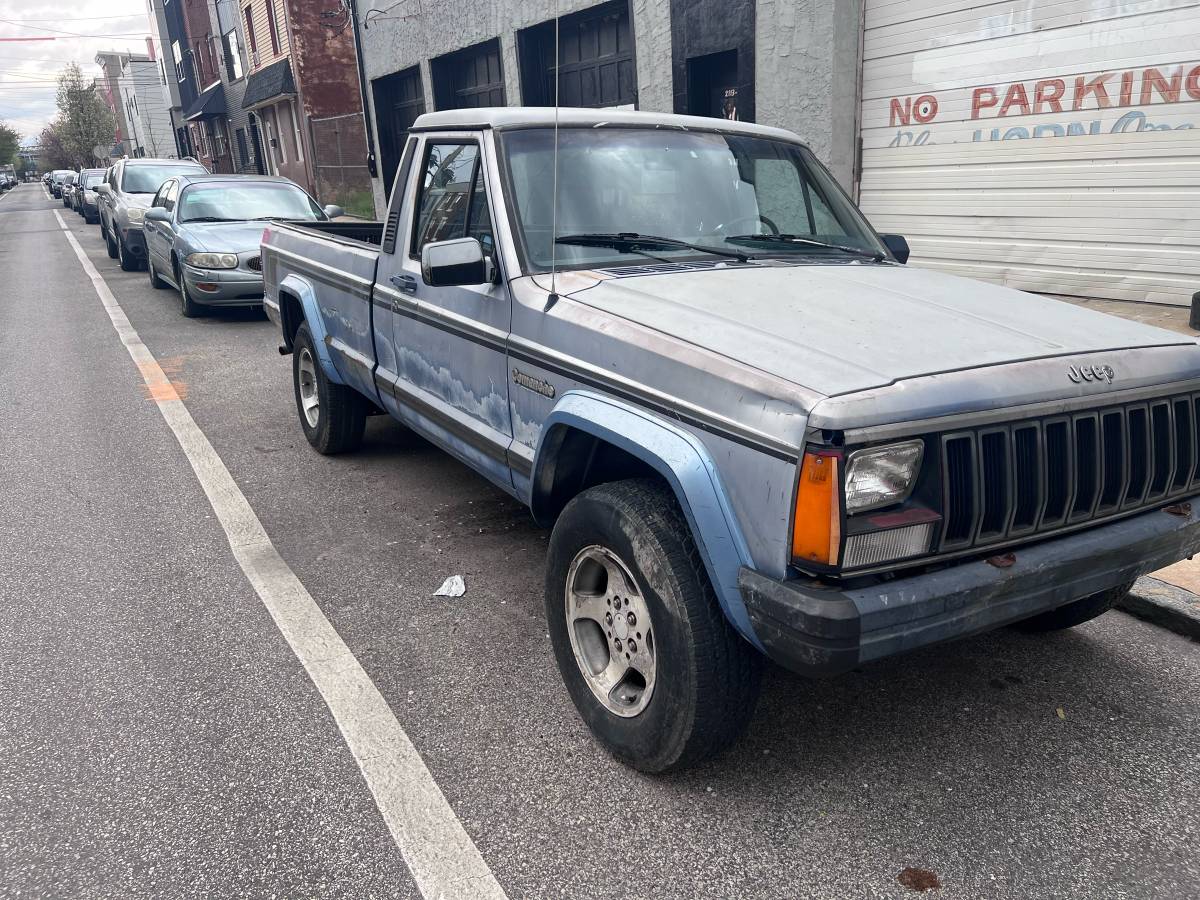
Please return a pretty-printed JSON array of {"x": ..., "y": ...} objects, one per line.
[{"x": 807, "y": 75}]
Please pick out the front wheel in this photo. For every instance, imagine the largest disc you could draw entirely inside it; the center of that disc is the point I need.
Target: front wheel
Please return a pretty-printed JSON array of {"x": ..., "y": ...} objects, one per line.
[
  {"x": 155, "y": 282},
  {"x": 1076, "y": 612},
  {"x": 333, "y": 416},
  {"x": 128, "y": 261},
  {"x": 652, "y": 665}
]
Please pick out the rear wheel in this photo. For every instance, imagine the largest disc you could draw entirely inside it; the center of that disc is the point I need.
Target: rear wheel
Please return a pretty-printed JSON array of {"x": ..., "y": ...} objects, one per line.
[
  {"x": 651, "y": 663},
  {"x": 333, "y": 416},
  {"x": 1077, "y": 612}
]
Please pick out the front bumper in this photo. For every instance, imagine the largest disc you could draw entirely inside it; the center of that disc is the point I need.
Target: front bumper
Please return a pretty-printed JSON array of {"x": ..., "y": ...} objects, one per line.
[
  {"x": 817, "y": 630},
  {"x": 224, "y": 287}
]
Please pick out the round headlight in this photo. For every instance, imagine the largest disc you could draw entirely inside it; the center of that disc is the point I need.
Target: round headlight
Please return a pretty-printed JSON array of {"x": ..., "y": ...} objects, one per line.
[
  {"x": 882, "y": 476},
  {"x": 136, "y": 215}
]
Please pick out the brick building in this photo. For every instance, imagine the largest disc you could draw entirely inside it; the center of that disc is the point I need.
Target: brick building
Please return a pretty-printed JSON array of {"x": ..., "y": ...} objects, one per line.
[{"x": 303, "y": 96}]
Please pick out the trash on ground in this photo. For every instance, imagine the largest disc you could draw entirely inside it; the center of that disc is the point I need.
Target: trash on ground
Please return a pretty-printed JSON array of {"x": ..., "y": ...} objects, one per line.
[{"x": 454, "y": 586}]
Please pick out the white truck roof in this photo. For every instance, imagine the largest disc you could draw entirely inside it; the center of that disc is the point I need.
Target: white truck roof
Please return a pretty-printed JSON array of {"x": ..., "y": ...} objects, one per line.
[{"x": 571, "y": 117}]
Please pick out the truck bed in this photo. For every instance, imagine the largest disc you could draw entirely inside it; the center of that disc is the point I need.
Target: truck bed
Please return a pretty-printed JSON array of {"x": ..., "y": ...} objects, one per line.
[{"x": 362, "y": 232}]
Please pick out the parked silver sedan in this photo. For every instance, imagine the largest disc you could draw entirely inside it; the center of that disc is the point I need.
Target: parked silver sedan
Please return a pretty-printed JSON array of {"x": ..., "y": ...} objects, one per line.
[{"x": 203, "y": 234}]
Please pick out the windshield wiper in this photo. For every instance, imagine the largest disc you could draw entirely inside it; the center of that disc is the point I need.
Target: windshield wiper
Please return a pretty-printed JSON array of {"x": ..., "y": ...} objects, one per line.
[
  {"x": 632, "y": 242},
  {"x": 207, "y": 219},
  {"x": 808, "y": 242}
]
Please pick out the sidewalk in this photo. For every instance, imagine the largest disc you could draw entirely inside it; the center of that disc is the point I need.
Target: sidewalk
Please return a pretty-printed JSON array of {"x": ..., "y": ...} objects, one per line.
[{"x": 1169, "y": 597}]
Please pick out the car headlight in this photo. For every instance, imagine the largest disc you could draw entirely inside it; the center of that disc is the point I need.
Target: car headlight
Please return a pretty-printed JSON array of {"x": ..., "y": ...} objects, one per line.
[
  {"x": 212, "y": 261},
  {"x": 136, "y": 215},
  {"x": 882, "y": 476}
]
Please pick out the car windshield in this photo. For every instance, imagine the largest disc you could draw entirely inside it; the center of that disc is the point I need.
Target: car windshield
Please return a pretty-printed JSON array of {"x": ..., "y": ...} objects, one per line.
[
  {"x": 93, "y": 179},
  {"x": 237, "y": 202},
  {"x": 733, "y": 192},
  {"x": 148, "y": 179}
]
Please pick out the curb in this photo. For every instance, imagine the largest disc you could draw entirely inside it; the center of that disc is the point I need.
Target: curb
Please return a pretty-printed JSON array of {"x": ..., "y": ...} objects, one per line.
[{"x": 1164, "y": 604}]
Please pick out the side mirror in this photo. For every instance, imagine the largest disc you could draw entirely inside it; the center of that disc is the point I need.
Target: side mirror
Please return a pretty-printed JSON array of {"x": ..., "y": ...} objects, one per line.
[
  {"x": 457, "y": 262},
  {"x": 157, "y": 214},
  {"x": 103, "y": 190},
  {"x": 334, "y": 212},
  {"x": 897, "y": 245}
]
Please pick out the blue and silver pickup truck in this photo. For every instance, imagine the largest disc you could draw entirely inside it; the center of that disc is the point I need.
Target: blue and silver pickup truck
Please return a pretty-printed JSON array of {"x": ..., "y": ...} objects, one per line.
[{"x": 753, "y": 430}]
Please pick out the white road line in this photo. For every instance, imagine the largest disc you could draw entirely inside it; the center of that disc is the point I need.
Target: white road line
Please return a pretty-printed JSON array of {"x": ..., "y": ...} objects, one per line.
[{"x": 439, "y": 853}]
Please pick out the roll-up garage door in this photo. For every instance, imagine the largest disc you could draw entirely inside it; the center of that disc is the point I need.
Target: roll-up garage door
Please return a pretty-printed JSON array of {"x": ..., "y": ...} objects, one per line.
[{"x": 1051, "y": 145}]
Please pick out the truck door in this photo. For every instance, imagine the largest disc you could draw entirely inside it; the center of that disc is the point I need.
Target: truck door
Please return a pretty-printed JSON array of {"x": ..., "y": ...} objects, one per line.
[{"x": 450, "y": 371}]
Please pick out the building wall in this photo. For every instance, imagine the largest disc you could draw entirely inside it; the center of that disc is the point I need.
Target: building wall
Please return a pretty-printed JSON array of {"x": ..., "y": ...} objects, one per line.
[
  {"x": 226, "y": 16},
  {"x": 263, "y": 52},
  {"x": 110, "y": 84},
  {"x": 149, "y": 115},
  {"x": 802, "y": 74},
  {"x": 806, "y": 74},
  {"x": 1049, "y": 147}
]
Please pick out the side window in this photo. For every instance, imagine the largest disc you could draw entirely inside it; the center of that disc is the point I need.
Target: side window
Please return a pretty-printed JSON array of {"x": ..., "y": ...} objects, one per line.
[
  {"x": 447, "y": 197},
  {"x": 479, "y": 216},
  {"x": 160, "y": 199},
  {"x": 172, "y": 194}
]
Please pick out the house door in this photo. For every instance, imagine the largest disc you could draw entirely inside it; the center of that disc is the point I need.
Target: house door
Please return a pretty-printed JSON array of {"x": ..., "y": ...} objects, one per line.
[{"x": 257, "y": 143}]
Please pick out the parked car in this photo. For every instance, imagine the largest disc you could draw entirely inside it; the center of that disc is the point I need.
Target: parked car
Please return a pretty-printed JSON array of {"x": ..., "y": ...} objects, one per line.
[
  {"x": 753, "y": 430},
  {"x": 203, "y": 234},
  {"x": 84, "y": 198},
  {"x": 68, "y": 189},
  {"x": 57, "y": 179},
  {"x": 124, "y": 196}
]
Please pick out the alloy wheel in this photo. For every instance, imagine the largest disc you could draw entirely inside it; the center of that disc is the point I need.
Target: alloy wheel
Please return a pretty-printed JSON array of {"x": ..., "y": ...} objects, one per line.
[{"x": 608, "y": 622}]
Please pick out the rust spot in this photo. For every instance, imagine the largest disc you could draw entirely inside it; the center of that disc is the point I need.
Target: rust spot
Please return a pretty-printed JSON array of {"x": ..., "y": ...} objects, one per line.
[
  {"x": 919, "y": 879},
  {"x": 1003, "y": 561},
  {"x": 1179, "y": 509}
]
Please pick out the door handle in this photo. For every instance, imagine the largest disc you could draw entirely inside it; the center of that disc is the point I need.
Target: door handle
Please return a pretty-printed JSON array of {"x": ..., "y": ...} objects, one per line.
[{"x": 405, "y": 283}]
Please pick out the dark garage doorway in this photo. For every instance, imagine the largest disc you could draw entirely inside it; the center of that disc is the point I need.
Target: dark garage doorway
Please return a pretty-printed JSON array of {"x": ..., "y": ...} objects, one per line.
[
  {"x": 596, "y": 59},
  {"x": 399, "y": 99},
  {"x": 712, "y": 85},
  {"x": 469, "y": 78}
]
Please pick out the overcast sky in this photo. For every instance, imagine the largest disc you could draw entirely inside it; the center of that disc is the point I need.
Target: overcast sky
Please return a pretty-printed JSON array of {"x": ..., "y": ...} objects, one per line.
[{"x": 28, "y": 67}]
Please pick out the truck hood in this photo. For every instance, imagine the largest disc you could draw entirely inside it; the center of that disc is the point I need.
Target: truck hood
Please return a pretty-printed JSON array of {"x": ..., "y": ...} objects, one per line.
[{"x": 836, "y": 329}]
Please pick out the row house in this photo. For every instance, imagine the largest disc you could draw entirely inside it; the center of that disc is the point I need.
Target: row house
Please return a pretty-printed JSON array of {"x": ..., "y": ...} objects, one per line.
[
  {"x": 269, "y": 87},
  {"x": 303, "y": 96}
]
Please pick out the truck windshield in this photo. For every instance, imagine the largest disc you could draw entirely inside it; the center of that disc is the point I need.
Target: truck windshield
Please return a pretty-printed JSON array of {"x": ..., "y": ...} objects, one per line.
[
  {"x": 239, "y": 202},
  {"x": 755, "y": 195}
]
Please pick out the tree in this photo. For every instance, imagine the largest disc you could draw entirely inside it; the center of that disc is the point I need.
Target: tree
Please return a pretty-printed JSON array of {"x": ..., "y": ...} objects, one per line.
[
  {"x": 53, "y": 154},
  {"x": 10, "y": 143},
  {"x": 84, "y": 120}
]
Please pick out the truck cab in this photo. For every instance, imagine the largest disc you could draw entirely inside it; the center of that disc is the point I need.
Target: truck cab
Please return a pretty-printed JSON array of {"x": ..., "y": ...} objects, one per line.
[{"x": 753, "y": 431}]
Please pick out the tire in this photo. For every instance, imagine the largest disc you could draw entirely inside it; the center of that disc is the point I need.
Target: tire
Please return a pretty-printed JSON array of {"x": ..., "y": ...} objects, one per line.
[
  {"x": 706, "y": 677},
  {"x": 1076, "y": 612},
  {"x": 189, "y": 307},
  {"x": 155, "y": 282},
  {"x": 336, "y": 423},
  {"x": 128, "y": 261},
  {"x": 111, "y": 245}
]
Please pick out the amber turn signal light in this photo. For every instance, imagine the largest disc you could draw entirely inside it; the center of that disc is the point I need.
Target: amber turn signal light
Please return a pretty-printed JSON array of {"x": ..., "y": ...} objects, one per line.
[{"x": 817, "y": 524}]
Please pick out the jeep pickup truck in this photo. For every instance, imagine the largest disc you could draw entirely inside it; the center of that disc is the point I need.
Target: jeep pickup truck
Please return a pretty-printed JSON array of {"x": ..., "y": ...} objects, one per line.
[{"x": 753, "y": 431}]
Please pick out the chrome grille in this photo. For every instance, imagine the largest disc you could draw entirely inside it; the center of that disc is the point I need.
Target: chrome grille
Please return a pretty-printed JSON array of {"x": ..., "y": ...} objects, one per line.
[
  {"x": 1037, "y": 476},
  {"x": 254, "y": 263}
]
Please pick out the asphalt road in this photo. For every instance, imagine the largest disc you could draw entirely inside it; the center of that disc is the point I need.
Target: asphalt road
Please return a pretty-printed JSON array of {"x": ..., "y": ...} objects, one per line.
[{"x": 158, "y": 738}]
